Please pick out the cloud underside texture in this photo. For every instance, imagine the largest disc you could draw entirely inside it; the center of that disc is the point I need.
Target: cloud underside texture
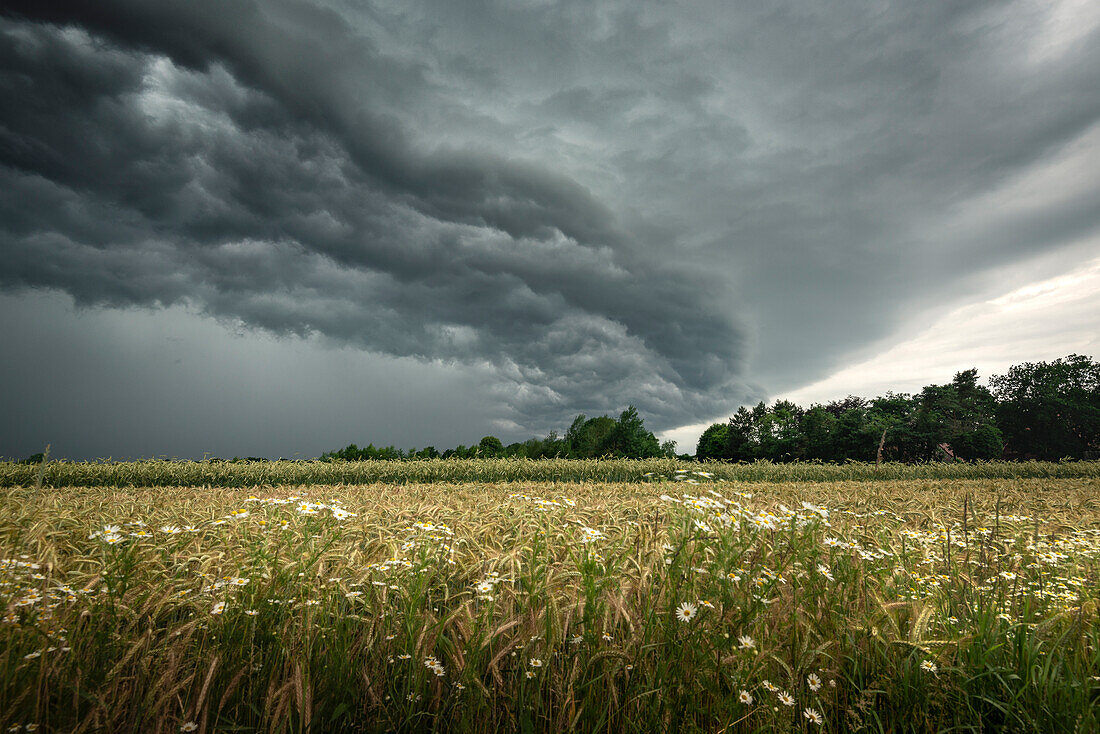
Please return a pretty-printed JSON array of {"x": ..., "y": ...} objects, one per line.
[{"x": 595, "y": 204}]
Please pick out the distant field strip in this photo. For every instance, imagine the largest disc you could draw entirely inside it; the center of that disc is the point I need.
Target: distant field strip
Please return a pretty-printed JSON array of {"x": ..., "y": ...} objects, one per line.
[{"x": 299, "y": 473}]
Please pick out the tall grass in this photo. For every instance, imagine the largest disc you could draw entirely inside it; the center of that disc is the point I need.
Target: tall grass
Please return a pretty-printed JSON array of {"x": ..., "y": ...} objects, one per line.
[
  {"x": 299, "y": 473},
  {"x": 920, "y": 605}
]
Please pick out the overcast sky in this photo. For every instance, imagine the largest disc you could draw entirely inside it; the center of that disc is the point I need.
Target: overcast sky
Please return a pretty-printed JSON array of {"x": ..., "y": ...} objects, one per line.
[{"x": 236, "y": 227}]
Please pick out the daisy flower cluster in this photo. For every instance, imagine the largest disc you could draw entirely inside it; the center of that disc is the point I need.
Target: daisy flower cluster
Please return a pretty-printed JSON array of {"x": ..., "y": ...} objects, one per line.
[
  {"x": 390, "y": 564},
  {"x": 432, "y": 663},
  {"x": 590, "y": 535},
  {"x": 29, "y": 591},
  {"x": 438, "y": 536},
  {"x": 544, "y": 505},
  {"x": 717, "y": 511},
  {"x": 787, "y": 699},
  {"x": 232, "y": 582},
  {"x": 336, "y": 511},
  {"x": 485, "y": 587},
  {"x": 692, "y": 477},
  {"x": 301, "y": 505},
  {"x": 1018, "y": 564}
]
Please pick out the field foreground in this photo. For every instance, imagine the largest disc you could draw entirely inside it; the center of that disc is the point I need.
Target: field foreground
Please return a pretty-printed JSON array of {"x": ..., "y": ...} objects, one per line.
[{"x": 689, "y": 605}]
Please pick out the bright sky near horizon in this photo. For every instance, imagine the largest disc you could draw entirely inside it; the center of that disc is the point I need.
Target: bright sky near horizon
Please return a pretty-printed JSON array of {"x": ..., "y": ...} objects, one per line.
[{"x": 1046, "y": 320}]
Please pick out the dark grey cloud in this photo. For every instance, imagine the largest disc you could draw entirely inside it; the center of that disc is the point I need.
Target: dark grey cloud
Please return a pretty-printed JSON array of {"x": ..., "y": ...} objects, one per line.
[
  {"x": 167, "y": 384},
  {"x": 195, "y": 172},
  {"x": 591, "y": 203}
]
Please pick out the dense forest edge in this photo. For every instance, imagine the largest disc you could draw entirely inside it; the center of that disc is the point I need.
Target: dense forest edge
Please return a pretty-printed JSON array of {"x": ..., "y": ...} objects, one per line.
[
  {"x": 1036, "y": 412},
  {"x": 1045, "y": 411}
]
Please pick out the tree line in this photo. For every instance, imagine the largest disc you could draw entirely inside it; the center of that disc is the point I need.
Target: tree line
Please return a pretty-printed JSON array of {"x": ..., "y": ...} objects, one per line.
[
  {"x": 1042, "y": 410},
  {"x": 586, "y": 438}
]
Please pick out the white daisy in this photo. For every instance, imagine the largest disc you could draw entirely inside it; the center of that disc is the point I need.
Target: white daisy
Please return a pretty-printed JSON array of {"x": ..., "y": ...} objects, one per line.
[{"x": 686, "y": 611}]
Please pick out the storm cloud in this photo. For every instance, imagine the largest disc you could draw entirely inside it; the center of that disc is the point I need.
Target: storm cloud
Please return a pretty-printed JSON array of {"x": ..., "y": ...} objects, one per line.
[{"x": 593, "y": 204}]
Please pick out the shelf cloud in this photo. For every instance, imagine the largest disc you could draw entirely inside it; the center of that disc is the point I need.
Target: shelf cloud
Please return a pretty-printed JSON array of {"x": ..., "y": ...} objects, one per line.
[{"x": 587, "y": 204}]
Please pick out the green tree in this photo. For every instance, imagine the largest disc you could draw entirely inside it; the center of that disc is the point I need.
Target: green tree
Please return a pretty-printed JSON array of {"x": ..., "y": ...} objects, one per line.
[
  {"x": 629, "y": 437},
  {"x": 1050, "y": 410},
  {"x": 778, "y": 432},
  {"x": 961, "y": 414},
  {"x": 984, "y": 442},
  {"x": 856, "y": 437},
  {"x": 741, "y": 434},
  {"x": 552, "y": 447},
  {"x": 714, "y": 442},
  {"x": 589, "y": 438},
  {"x": 818, "y": 427},
  {"x": 489, "y": 447},
  {"x": 894, "y": 417}
]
